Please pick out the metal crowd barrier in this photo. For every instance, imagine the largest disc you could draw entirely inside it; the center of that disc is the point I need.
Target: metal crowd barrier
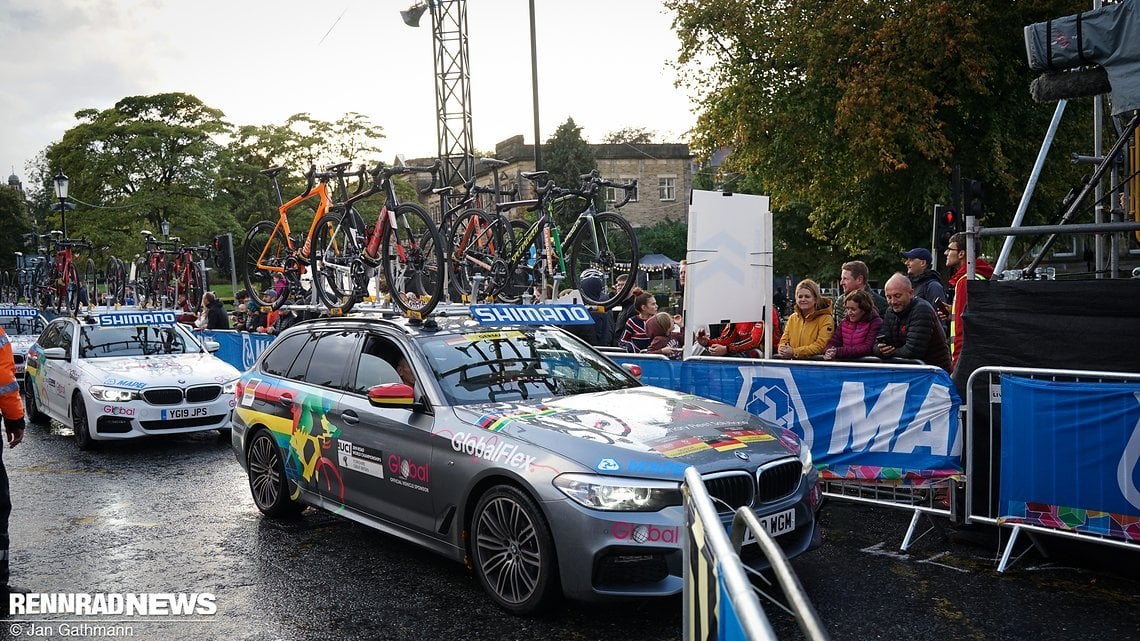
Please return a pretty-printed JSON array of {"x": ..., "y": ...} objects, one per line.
[
  {"x": 720, "y": 600},
  {"x": 982, "y": 472}
]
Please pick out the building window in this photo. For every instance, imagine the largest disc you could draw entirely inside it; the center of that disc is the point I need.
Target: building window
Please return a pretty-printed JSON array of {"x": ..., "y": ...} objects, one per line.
[
  {"x": 667, "y": 188},
  {"x": 615, "y": 195}
]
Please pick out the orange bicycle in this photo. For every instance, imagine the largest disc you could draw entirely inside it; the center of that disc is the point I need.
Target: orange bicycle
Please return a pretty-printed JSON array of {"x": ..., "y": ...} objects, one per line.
[{"x": 274, "y": 260}]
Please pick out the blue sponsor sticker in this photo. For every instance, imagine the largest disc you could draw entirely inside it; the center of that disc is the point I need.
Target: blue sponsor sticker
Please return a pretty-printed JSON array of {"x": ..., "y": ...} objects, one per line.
[
  {"x": 133, "y": 319},
  {"x": 665, "y": 468},
  {"x": 121, "y": 382},
  {"x": 608, "y": 465},
  {"x": 19, "y": 312},
  {"x": 531, "y": 315}
]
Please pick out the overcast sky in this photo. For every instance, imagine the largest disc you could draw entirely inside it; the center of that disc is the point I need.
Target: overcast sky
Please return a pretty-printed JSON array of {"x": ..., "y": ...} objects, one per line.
[{"x": 601, "y": 62}]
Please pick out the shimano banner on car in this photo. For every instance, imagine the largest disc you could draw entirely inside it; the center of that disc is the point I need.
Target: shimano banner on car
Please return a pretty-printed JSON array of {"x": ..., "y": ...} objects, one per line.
[
  {"x": 863, "y": 423},
  {"x": 1070, "y": 454}
]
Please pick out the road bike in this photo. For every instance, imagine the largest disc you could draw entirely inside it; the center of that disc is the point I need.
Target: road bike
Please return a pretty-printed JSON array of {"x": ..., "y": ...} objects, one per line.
[
  {"x": 58, "y": 284},
  {"x": 536, "y": 255},
  {"x": 457, "y": 238},
  {"x": 275, "y": 260},
  {"x": 116, "y": 279},
  {"x": 152, "y": 274},
  {"x": 404, "y": 243},
  {"x": 186, "y": 271}
]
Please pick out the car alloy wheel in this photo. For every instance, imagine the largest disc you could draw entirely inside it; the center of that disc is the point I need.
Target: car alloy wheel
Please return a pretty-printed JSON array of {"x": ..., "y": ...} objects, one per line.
[
  {"x": 79, "y": 424},
  {"x": 34, "y": 413},
  {"x": 267, "y": 481},
  {"x": 513, "y": 551}
]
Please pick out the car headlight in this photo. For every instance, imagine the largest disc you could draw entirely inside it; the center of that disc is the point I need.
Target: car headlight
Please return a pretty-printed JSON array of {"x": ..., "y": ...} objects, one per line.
[
  {"x": 113, "y": 394},
  {"x": 230, "y": 387},
  {"x": 805, "y": 457},
  {"x": 618, "y": 494}
]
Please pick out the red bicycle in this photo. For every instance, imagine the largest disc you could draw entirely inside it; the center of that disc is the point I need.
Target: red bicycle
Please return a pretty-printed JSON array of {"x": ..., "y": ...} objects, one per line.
[{"x": 60, "y": 287}]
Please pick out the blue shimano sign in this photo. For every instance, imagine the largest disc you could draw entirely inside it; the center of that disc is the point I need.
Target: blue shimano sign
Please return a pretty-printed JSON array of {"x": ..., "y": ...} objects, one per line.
[
  {"x": 129, "y": 319},
  {"x": 531, "y": 314},
  {"x": 20, "y": 312}
]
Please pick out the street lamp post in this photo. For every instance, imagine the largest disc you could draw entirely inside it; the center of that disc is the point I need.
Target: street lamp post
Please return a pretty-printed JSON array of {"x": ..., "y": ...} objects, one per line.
[
  {"x": 61, "y": 194},
  {"x": 164, "y": 226},
  {"x": 534, "y": 90}
]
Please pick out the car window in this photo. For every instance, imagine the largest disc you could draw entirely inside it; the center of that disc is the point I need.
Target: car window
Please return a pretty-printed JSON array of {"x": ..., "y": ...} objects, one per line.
[
  {"x": 22, "y": 326},
  {"x": 333, "y": 352},
  {"x": 501, "y": 365},
  {"x": 66, "y": 333},
  {"x": 142, "y": 340},
  {"x": 377, "y": 364},
  {"x": 282, "y": 353},
  {"x": 299, "y": 370},
  {"x": 50, "y": 337}
]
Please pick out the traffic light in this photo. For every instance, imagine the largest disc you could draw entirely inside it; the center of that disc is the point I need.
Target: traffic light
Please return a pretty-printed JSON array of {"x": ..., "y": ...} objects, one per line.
[
  {"x": 945, "y": 226},
  {"x": 974, "y": 205}
]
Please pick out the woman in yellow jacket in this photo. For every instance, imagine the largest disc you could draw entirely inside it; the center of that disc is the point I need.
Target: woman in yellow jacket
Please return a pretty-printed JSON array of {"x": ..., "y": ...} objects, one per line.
[{"x": 810, "y": 326}]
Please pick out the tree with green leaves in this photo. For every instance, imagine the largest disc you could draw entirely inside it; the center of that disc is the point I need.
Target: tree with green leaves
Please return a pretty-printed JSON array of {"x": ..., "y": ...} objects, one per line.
[
  {"x": 14, "y": 221},
  {"x": 631, "y": 135},
  {"x": 566, "y": 155},
  {"x": 856, "y": 112}
]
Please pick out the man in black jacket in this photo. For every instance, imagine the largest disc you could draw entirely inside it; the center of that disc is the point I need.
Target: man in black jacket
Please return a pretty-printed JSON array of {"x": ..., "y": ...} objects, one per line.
[
  {"x": 911, "y": 328},
  {"x": 926, "y": 282},
  {"x": 216, "y": 316}
]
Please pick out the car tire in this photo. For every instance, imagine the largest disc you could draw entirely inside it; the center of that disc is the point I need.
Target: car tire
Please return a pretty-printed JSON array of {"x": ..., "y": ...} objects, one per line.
[
  {"x": 268, "y": 483},
  {"x": 513, "y": 552},
  {"x": 33, "y": 408},
  {"x": 79, "y": 424}
]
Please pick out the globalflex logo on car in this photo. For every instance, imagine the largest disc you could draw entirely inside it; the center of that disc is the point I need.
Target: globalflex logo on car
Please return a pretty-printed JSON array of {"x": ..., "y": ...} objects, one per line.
[
  {"x": 639, "y": 533},
  {"x": 491, "y": 450}
]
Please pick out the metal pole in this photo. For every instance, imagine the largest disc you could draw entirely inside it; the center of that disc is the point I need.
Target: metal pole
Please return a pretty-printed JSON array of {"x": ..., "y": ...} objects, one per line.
[
  {"x": 233, "y": 268},
  {"x": 534, "y": 91},
  {"x": 1031, "y": 185},
  {"x": 1098, "y": 193}
]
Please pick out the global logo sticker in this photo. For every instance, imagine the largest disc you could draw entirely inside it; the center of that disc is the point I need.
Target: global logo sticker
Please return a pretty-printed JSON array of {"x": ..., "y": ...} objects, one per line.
[{"x": 608, "y": 465}]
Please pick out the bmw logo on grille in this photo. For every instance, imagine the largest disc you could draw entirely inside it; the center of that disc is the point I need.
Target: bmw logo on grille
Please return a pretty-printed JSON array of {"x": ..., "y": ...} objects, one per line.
[
  {"x": 181, "y": 381},
  {"x": 742, "y": 456}
]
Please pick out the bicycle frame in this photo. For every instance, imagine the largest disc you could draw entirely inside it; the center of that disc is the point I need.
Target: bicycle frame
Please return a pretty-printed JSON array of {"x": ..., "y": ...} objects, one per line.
[{"x": 320, "y": 191}]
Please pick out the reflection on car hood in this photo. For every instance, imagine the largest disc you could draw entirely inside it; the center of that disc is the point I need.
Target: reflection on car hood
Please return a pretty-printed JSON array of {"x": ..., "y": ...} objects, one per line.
[
  {"x": 192, "y": 368},
  {"x": 642, "y": 423}
]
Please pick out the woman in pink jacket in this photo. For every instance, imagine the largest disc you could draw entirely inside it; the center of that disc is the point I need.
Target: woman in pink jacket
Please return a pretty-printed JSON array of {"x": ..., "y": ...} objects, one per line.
[{"x": 856, "y": 334}]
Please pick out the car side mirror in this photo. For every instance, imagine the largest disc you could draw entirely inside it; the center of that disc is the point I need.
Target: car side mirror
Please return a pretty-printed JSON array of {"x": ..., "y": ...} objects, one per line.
[
  {"x": 212, "y": 346},
  {"x": 55, "y": 354},
  {"x": 392, "y": 395},
  {"x": 634, "y": 370}
]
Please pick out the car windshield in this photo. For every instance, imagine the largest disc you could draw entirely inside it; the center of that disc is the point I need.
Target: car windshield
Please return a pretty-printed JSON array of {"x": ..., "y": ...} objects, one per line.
[
  {"x": 484, "y": 366},
  {"x": 141, "y": 340},
  {"x": 22, "y": 326}
]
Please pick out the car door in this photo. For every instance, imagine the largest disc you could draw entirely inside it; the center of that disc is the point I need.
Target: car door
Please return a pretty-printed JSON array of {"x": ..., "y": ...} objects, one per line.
[
  {"x": 386, "y": 451},
  {"x": 56, "y": 383}
]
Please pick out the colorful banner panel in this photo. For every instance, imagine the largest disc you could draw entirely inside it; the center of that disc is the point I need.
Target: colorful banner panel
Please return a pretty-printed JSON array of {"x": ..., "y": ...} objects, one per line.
[
  {"x": 1070, "y": 456},
  {"x": 239, "y": 349},
  {"x": 874, "y": 423}
]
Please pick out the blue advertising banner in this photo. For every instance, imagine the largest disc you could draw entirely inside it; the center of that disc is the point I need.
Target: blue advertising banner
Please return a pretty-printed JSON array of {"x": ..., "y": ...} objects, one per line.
[
  {"x": 239, "y": 349},
  {"x": 873, "y": 423},
  {"x": 1070, "y": 455}
]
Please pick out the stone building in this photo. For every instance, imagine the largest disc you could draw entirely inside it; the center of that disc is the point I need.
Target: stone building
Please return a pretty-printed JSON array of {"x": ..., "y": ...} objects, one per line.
[{"x": 664, "y": 174}]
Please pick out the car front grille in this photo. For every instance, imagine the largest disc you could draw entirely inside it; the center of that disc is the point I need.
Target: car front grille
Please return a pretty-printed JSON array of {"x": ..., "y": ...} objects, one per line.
[
  {"x": 619, "y": 569},
  {"x": 203, "y": 393},
  {"x": 730, "y": 490},
  {"x": 19, "y": 358},
  {"x": 163, "y": 396},
  {"x": 777, "y": 480}
]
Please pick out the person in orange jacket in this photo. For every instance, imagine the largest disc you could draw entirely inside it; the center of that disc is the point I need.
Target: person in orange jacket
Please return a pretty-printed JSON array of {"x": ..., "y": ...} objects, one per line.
[{"x": 12, "y": 408}]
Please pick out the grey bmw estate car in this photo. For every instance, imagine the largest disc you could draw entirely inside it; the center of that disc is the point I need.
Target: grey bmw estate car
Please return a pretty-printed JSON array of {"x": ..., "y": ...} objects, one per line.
[{"x": 517, "y": 449}]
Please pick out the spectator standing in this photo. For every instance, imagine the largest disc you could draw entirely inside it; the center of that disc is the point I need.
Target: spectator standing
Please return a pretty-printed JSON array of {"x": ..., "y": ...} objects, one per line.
[
  {"x": 811, "y": 324},
  {"x": 855, "y": 336},
  {"x": 213, "y": 313},
  {"x": 854, "y": 276},
  {"x": 285, "y": 319},
  {"x": 745, "y": 340},
  {"x": 925, "y": 281},
  {"x": 633, "y": 337},
  {"x": 241, "y": 311},
  {"x": 264, "y": 320},
  {"x": 911, "y": 328},
  {"x": 12, "y": 408},
  {"x": 956, "y": 257},
  {"x": 602, "y": 332}
]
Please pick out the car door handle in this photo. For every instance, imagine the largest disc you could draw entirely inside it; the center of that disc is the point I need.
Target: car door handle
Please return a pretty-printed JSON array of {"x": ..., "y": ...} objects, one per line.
[
  {"x": 350, "y": 417},
  {"x": 286, "y": 399}
]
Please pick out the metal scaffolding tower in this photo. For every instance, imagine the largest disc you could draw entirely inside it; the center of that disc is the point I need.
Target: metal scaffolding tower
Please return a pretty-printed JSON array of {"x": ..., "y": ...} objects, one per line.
[{"x": 452, "y": 89}]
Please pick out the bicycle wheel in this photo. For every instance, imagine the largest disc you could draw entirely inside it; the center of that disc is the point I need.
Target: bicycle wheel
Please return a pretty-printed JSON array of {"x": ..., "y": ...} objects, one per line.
[
  {"x": 412, "y": 260},
  {"x": 89, "y": 290},
  {"x": 196, "y": 285},
  {"x": 335, "y": 249},
  {"x": 615, "y": 254},
  {"x": 71, "y": 286},
  {"x": 116, "y": 281},
  {"x": 475, "y": 244},
  {"x": 265, "y": 251}
]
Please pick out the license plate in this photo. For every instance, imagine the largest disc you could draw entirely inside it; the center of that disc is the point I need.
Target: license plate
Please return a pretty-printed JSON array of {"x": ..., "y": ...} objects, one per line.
[
  {"x": 774, "y": 524},
  {"x": 184, "y": 412}
]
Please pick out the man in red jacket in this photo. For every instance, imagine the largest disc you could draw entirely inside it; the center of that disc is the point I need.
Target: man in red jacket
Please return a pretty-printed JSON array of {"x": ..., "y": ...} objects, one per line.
[
  {"x": 956, "y": 258},
  {"x": 12, "y": 408}
]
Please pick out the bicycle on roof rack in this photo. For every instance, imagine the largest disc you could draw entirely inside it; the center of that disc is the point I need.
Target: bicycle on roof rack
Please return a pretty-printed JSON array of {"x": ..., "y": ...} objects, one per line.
[
  {"x": 404, "y": 244},
  {"x": 275, "y": 260},
  {"x": 457, "y": 237},
  {"x": 599, "y": 243},
  {"x": 58, "y": 283}
]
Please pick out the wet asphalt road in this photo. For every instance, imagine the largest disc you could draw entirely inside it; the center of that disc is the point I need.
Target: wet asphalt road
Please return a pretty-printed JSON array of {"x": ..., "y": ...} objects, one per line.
[{"x": 174, "y": 515}]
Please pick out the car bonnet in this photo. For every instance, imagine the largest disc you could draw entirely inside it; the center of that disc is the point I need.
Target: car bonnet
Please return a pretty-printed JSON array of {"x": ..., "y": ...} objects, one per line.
[
  {"x": 191, "y": 368},
  {"x": 664, "y": 430}
]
